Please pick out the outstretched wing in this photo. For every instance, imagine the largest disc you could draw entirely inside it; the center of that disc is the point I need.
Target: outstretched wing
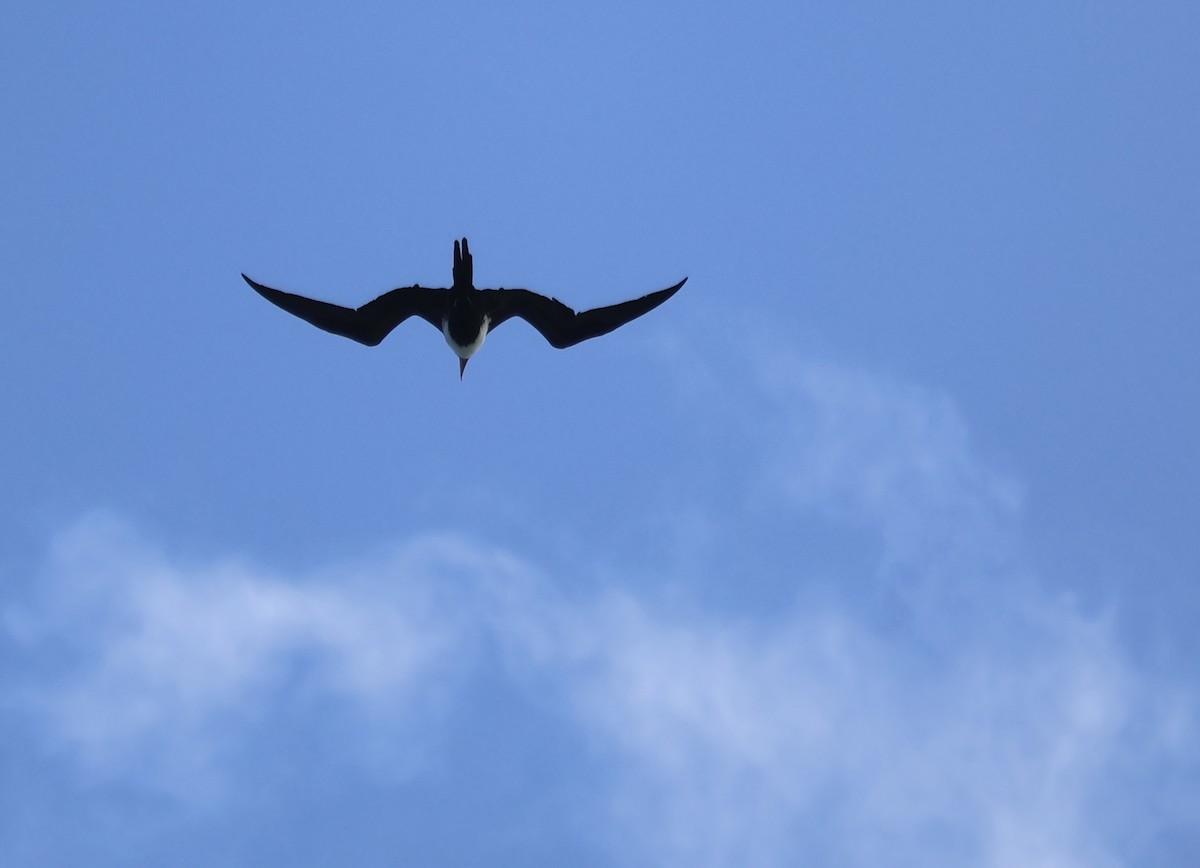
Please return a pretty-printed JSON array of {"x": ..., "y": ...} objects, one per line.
[
  {"x": 560, "y": 325},
  {"x": 369, "y": 324}
]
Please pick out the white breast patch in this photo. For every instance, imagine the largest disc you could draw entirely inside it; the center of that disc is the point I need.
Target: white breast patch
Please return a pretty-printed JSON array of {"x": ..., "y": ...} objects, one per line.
[{"x": 471, "y": 348}]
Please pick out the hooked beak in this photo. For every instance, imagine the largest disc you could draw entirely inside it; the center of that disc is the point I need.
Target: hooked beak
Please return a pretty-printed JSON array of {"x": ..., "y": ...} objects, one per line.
[{"x": 462, "y": 363}]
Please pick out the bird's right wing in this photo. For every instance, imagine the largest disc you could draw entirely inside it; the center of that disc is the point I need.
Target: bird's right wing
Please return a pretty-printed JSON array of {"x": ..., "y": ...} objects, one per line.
[
  {"x": 560, "y": 325},
  {"x": 369, "y": 324}
]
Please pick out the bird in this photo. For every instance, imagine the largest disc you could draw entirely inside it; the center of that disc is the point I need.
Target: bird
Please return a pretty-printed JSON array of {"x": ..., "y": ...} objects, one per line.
[{"x": 464, "y": 315}]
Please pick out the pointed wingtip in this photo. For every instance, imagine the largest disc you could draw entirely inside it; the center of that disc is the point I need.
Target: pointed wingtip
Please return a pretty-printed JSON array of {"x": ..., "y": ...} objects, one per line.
[
  {"x": 664, "y": 294},
  {"x": 462, "y": 367}
]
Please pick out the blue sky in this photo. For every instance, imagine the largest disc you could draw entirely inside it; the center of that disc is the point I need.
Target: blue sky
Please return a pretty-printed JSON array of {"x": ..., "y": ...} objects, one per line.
[{"x": 875, "y": 545}]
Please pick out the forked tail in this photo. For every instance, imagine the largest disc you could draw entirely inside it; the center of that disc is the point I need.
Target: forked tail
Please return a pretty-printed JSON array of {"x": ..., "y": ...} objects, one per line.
[{"x": 464, "y": 267}]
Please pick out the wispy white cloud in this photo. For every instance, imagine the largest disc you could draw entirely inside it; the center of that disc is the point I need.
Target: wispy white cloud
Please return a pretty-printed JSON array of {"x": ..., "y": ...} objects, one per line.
[
  {"x": 163, "y": 658},
  {"x": 744, "y": 743},
  {"x": 990, "y": 729},
  {"x": 996, "y": 726}
]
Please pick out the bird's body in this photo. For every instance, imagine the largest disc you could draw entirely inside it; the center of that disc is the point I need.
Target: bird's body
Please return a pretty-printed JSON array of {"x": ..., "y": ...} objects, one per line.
[
  {"x": 464, "y": 336},
  {"x": 464, "y": 315}
]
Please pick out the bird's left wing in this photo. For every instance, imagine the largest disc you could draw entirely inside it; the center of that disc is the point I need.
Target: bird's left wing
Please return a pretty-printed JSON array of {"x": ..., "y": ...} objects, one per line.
[
  {"x": 369, "y": 324},
  {"x": 560, "y": 325}
]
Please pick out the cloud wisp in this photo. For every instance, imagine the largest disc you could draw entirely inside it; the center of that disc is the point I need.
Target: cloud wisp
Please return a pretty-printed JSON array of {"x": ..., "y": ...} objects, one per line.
[{"x": 992, "y": 724}]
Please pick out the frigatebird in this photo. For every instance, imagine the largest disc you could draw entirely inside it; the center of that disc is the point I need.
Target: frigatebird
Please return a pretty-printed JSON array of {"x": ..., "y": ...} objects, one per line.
[{"x": 465, "y": 315}]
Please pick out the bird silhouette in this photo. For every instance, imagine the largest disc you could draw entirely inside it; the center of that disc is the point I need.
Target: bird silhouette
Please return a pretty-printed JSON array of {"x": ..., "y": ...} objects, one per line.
[{"x": 464, "y": 315}]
